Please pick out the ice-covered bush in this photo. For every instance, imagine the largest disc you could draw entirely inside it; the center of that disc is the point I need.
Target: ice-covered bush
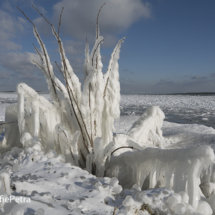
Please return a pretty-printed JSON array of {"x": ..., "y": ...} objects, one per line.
[{"x": 72, "y": 123}]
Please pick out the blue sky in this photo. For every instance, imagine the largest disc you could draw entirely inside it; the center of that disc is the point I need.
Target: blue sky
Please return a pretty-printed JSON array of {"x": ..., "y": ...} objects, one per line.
[{"x": 169, "y": 46}]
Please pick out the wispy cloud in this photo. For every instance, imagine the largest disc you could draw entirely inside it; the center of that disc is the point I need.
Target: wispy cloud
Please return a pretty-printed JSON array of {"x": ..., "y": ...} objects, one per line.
[
  {"x": 9, "y": 26},
  {"x": 197, "y": 78}
]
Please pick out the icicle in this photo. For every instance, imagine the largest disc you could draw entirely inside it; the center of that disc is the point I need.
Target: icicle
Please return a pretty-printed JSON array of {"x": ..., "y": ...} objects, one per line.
[
  {"x": 181, "y": 166},
  {"x": 89, "y": 163},
  {"x": 21, "y": 109},
  {"x": 5, "y": 182},
  {"x": 74, "y": 147},
  {"x": 35, "y": 118}
]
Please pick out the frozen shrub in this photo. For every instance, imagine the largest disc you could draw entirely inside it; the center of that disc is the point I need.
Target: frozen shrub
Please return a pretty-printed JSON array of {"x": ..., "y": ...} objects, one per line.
[{"x": 77, "y": 124}]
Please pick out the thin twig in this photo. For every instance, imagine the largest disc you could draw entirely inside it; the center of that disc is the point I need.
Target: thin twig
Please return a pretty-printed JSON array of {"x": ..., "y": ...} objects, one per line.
[
  {"x": 96, "y": 50},
  {"x": 59, "y": 69},
  {"x": 37, "y": 51},
  {"x": 72, "y": 153},
  {"x": 97, "y": 22},
  {"x": 129, "y": 147},
  {"x": 41, "y": 14},
  {"x": 68, "y": 143},
  {"x": 43, "y": 48},
  {"x": 26, "y": 17},
  {"x": 50, "y": 77},
  {"x": 7, "y": 123},
  {"x": 95, "y": 127},
  {"x": 105, "y": 87},
  {"x": 97, "y": 31},
  {"x": 114, "y": 212},
  {"x": 84, "y": 159},
  {"x": 60, "y": 21},
  {"x": 70, "y": 91},
  {"x": 115, "y": 208}
]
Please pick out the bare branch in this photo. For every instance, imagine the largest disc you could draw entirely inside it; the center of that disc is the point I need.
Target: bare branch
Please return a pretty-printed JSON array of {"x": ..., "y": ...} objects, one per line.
[
  {"x": 97, "y": 22},
  {"x": 96, "y": 50},
  {"x": 95, "y": 127},
  {"x": 59, "y": 69},
  {"x": 60, "y": 21},
  {"x": 37, "y": 51},
  {"x": 105, "y": 87},
  {"x": 43, "y": 48},
  {"x": 26, "y": 16},
  {"x": 41, "y": 14},
  {"x": 115, "y": 208},
  {"x": 69, "y": 90},
  {"x": 122, "y": 147},
  {"x": 4, "y": 123}
]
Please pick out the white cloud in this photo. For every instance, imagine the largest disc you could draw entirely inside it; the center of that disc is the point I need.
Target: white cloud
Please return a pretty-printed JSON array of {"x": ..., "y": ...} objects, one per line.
[
  {"x": 9, "y": 26},
  {"x": 19, "y": 62},
  {"x": 74, "y": 47},
  {"x": 79, "y": 17}
]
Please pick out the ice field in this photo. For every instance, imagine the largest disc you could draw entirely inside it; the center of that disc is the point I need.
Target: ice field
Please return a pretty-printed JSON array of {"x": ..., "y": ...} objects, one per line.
[{"x": 55, "y": 187}]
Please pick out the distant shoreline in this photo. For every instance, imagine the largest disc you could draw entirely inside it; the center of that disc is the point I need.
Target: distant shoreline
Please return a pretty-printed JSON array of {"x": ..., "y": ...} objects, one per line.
[
  {"x": 41, "y": 92},
  {"x": 188, "y": 94}
]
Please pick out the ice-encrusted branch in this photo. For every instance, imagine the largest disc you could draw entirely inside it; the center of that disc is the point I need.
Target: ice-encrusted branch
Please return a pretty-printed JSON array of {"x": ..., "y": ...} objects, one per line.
[
  {"x": 47, "y": 60},
  {"x": 69, "y": 87}
]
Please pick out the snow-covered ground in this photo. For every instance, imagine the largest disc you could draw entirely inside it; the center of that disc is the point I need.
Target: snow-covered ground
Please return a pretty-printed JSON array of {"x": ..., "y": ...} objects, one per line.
[{"x": 55, "y": 187}]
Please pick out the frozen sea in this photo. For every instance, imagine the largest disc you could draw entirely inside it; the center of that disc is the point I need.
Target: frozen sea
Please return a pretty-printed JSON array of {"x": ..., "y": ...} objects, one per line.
[
  {"x": 183, "y": 109},
  {"x": 190, "y": 119}
]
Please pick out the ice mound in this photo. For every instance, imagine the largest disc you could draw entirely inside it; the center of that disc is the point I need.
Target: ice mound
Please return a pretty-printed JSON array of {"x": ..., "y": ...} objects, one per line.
[{"x": 147, "y": 129}]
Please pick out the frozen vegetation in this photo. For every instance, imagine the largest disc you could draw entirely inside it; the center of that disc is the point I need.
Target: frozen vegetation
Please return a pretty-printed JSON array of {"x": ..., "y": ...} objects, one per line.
[{"x": 64, "y": 156}]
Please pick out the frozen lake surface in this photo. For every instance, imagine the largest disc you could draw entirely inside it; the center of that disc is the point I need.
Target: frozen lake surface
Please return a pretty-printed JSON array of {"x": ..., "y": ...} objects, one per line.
[{"x": 183, "y": 109}]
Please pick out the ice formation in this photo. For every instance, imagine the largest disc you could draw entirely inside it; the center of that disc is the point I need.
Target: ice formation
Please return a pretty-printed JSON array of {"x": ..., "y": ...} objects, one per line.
[
  {"x": 72, "y": 123},
  {"x": 179, "y": 169},
  {"x": 147, "y": 129}
]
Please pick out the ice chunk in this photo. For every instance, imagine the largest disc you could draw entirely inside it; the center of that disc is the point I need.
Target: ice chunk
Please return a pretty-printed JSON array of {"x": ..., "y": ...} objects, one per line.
[
  {"x": 204, "y": 208},
  {"x": 182, "y": 166},
  {"x": 147, "y": 129}
]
